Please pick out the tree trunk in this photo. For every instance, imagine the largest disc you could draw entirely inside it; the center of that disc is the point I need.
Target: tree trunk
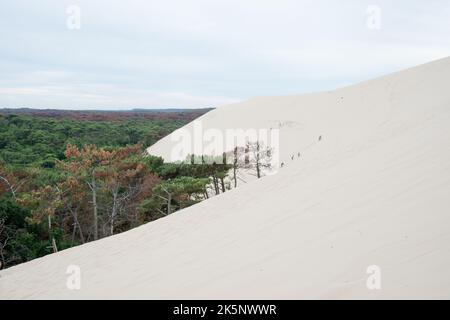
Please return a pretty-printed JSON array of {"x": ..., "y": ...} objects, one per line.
[
  {"x": 94, "y": 204},
  {"x": 74, "y": 233},
  {"x": 114, "y": 210},
  {"x": 216, "y": 185},
  {"x": 258, "y": 172},
  {"x": 169, "y": 203},
  {"x": 247, "y": 158},
  {"x": 10, "y": 187},
  {"x": 79, "y": 229},
  {"x": 258, "y": 165},
  {"x": 55, "y": 248},
  {"x": 2, "y": 258},
  {"x": 77, "y": 224},
  {"x": 235, "y": 167},
  {"x": 3, "y": 245}
]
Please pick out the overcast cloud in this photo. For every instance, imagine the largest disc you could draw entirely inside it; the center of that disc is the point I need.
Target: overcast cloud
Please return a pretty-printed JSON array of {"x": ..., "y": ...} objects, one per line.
[{"x": 156, "y": 54}]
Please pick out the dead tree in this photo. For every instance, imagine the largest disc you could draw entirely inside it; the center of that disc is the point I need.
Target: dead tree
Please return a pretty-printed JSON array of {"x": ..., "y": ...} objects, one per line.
[
  {"x": 261, "y": 157},
  {"x": 238, "y": 161},
  {"x": 4, "y": 238},
  {"x": 12, "y": 188},
  {"x": 235, "y": 165},
  {"x": 168, "y": 201}
]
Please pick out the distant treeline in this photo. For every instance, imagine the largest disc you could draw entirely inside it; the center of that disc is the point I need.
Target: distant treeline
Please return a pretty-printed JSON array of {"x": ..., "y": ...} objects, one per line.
[
  {"x": 39, "y": 137},
  {"x": 99, "y": 115}
]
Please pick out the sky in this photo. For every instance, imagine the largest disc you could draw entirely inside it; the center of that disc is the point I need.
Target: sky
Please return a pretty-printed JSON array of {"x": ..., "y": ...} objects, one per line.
[{"x": 112, "y": 54}]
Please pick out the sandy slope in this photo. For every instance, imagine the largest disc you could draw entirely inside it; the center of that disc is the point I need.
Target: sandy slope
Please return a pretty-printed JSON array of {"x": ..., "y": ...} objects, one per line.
[{"x": 374, "y": 191}]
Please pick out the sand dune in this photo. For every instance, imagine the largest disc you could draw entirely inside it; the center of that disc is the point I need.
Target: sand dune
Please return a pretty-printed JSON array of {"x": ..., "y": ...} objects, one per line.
[{"x": 374, "y": 191}]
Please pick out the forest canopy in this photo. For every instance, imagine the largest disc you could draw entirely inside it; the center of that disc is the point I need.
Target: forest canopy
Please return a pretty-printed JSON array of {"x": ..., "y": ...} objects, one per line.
[{"x": 27, "y": 140}]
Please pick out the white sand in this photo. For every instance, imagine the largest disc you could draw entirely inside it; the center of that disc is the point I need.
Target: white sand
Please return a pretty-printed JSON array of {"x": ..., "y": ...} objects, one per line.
[{"x": 374, "y": 191}]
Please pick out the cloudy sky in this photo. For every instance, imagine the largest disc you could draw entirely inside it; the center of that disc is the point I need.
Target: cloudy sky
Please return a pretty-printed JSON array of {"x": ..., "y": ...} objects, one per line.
[{"x": 157, "y": 54}]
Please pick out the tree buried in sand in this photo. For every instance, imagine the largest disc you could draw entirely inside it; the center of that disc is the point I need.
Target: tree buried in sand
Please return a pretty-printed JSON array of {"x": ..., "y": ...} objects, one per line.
[{"x": 260, "y": 157}]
